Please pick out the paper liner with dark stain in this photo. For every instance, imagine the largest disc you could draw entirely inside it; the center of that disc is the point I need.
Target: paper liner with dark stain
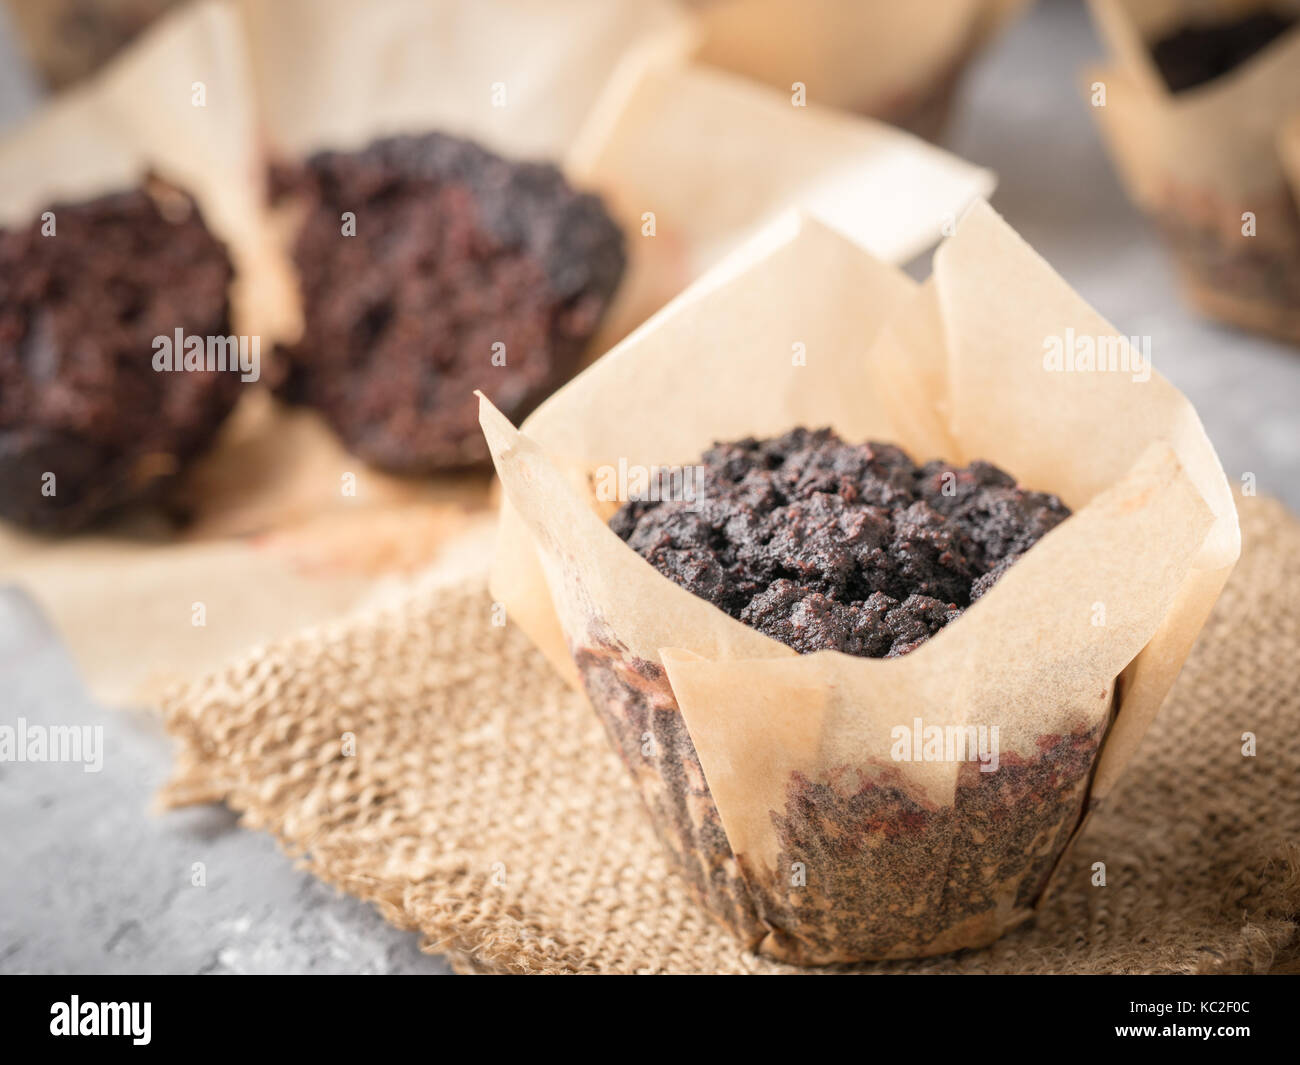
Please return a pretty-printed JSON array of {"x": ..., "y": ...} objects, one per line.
[
  {"x": 68, "y": 40},
  {"x": 861, "y": 855},
  {"x": 867, "y": 868},
  {"x": 1251, "y": 281},
  {"x": 635, "y": 702}
]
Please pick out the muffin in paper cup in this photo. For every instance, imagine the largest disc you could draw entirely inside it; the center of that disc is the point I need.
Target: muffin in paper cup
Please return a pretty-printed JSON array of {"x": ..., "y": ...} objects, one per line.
[
  {"x": 776, "y": 779},
  {"x": 1197, "y": 131}
]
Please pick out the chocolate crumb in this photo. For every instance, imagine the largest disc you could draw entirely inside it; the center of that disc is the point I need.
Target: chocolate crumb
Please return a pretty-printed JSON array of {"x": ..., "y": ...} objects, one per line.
[
  {"x": 457, "y": 256},
  {"x": 825, "y": 545}
]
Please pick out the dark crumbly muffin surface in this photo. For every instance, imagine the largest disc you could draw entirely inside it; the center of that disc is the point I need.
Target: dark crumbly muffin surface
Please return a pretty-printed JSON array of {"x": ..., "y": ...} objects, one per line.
[
  {"x": 79, "y": 311},
  {"x": 456, "y": 251},
  {"x": 1200, "y": 52},
  {"x": 826, "y": 545}
]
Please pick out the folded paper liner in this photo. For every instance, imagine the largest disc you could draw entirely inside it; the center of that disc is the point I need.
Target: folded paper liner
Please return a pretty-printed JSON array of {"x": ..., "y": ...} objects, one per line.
[
  {"x": 886, "y": 190},
  {"x": 273, "y": 544},
  {"x": 484, "y": 810},
  {"x": 898, "y": 62},
  {"x": 957, "y": 373},
  {"x": 1198, "y": 160}
]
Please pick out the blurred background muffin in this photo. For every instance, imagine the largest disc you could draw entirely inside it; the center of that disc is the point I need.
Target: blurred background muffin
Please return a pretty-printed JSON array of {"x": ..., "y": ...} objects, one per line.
[
  {"x": 898, "y": 62},
  {"x": 1193, "y": 107},
  {"x": 87, "y": 423},
  {"x": 468, "y": 271}
]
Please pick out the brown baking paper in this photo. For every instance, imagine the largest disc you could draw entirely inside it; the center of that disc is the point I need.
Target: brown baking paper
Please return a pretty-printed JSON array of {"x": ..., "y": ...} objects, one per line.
[
  {"x": 1288, "y": 148},
  {"x": 338, "y": 74},
  {"x": 772, "y": 777},
  {"x": 603, "y": 89},
  {"x": 691, "y": 161},
  {"x": 273, "y": 544},
  {"x": 897, "y": 62},
  {"x": 1203, "y": 160},
  {"x": 66, "y": 40}
]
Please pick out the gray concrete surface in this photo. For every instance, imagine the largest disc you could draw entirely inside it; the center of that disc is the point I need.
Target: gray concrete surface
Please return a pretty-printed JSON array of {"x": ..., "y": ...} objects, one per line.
[
  {"x": 91, "y": 881},
  {"x": 94, "y": 881}
]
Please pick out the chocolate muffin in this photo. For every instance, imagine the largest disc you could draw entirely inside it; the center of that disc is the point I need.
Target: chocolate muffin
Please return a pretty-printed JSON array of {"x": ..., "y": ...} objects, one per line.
[
  {"x": 80, "y": 309},
  {"x": 1200, "y": 52},
  {"x": 825, "y": 545},
  {"x": 431, "y": 267}
]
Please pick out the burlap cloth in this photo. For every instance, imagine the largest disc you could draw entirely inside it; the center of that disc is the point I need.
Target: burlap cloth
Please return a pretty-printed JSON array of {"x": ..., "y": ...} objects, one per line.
[{"x": 483, "y": 808}]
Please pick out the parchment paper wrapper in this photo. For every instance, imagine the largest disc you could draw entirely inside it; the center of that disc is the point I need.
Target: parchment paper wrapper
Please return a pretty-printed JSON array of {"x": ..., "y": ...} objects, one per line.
[
  {"x": 897, "y": 62},
  {"x": 691, "y": 161},
  {"x": 337, "y": 74},
  {"x": 273, "y": 544},
  {"x": 1289, "y": 150},
  {"x": 771, "y": 777},
  {"x": 1199, "y": 161},
  {"x": 68, "y": 39}
]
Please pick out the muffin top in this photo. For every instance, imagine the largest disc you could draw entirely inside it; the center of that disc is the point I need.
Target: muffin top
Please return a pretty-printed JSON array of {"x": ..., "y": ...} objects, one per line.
[
  {"x": 826, "y": 545},
  {"x": 80, "y": 307},
  {"x": 86, "y": 291},
  {"x": 464, "y": 271}
]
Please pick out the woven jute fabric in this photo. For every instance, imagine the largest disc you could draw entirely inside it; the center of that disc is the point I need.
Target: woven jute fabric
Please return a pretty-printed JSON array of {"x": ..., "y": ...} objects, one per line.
[{"x": 427, "y": 760}]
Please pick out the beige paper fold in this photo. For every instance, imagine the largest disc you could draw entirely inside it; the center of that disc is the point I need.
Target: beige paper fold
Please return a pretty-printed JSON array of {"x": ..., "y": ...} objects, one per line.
[
  {"x": 773, "y": 736},
  {"x": 338, "y": 74},
  {"x": 272, "y": 546},
  {"x": 898, "y": 62},
  {"x": 705, "y": 158},
  {"x": 66, "y": 40},
  {"x": 1200, "y": 160}
]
